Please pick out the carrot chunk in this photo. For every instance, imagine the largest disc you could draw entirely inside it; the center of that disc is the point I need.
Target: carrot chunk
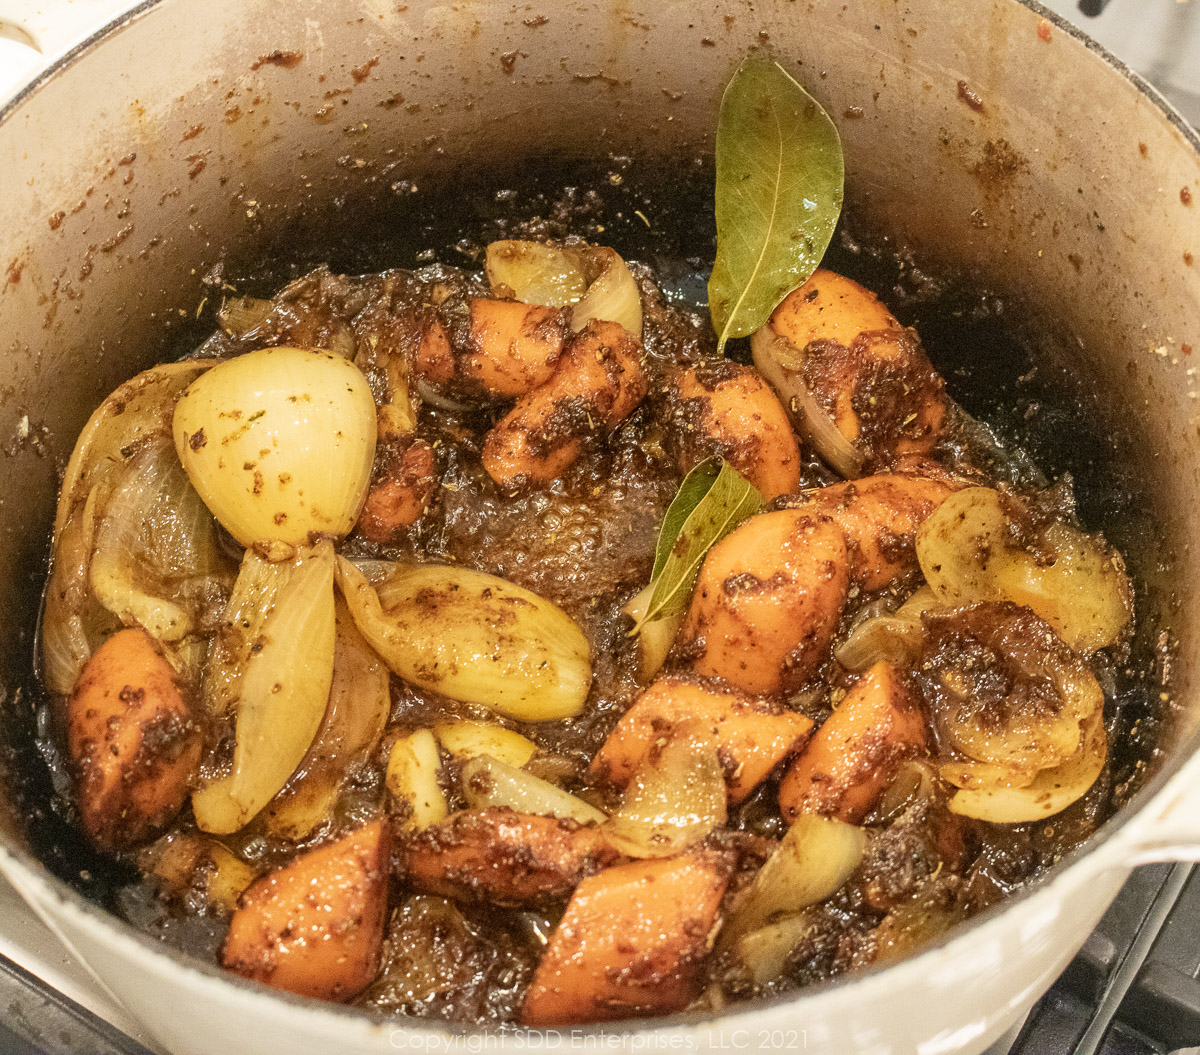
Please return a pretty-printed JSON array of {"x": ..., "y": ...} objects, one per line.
[
  {"x": 854, "y": 756},
  {"x": 132, "y": 740},
  {"x": 502, "y": 856},
  {"x": 315, "y": 926},
  {"x": 750, "y": 736},
  {"x": 632, "y": 942}
]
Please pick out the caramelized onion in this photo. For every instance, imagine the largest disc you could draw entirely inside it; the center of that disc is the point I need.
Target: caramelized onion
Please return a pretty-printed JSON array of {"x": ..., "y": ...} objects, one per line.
[
  {"x": 413, "y": 780},
  {"x": 359, "y": 701},
  {"x": 1051, "y": 791},
  {"x": 473, "y": 637},
  {"x": 656, "y": 637},
  {"x": 594, "y": 279},
  {"x": 283, "y": 693},
  {"x": 892, "y": 638},
  {"x": 673, "y": 802},
  {"x": 155, "y": 547},
  {"x": 814, "y": 859},
  {"x": 781, "y": 363},
  {"x": 488, "y": 782},
  {"x": 968, "y": 552}
]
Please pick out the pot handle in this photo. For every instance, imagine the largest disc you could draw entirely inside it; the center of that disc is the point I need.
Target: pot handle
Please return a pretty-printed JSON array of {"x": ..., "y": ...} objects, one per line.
[
  {"x": 53, "y": 27},
  {"x": 1172, "y": 831}
]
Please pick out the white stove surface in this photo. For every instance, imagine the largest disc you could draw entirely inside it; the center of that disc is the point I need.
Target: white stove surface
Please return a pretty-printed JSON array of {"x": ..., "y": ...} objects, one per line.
[{"x": 1160, "y": 38}]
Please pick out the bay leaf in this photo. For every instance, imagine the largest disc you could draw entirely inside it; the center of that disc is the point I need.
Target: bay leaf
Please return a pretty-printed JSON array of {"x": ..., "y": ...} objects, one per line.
[
  {"x": 778, "y": 196},
  {"x": 728, "y": 500},
  {"x": 691, "y": 491}
]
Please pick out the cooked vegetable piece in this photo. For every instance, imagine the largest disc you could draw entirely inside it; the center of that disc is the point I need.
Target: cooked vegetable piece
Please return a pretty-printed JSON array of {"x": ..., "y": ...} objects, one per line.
[
  {"x": 895, "y": 637},
  {"x": 472, "y": 637},
  {"x": 134, "y": 416},
  {"x": 401, "y": 493},
  {"x": 655, "y": 636},
  {"x": 359, "y": 700},
  {"x": 1003, "y": 689},
  {"x": 155, "y": 562},
  {"x": 74, "y": 623},
  {"x": 767, "y": 602},
  {"x": 315, "y": 926},
  {"x": 594, "y": 279},
  {"x": 855, "y": 755},
  {"x": 814, "y": 859},
  {"x": 466, "y": 739},
  {"x": 675, "y": 800},
  {"x": 750, "y": 736},
  {"x": 971, "y": 551},
  {"x": 765, "y": 951},
  {"x": 769, "y": 596},
  {"x": 720, "y": 408},
  {"x": 1051, "y": 791},
  {"x": 284, "y": 693},
  {"x": 515, "y": 347},
  {"x": 858, "y": 384},
  {"x": 133, "y": 742},
  {"x": 198, "y": 870},
  {"x": 488, "y": 782},
  {"x": 413, "y": 773},
  {"x": 139, "y": 409},
  {"x": 597, "y": 384},
  {"x": 501, "y": 856},
  {"x": 632, "y": 942},
  {"x": 279, "y": 443}
]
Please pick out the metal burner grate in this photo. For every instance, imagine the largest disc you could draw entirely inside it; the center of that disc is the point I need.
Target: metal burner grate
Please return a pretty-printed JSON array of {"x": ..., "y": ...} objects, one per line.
[{"x": 1134, "y": 988}]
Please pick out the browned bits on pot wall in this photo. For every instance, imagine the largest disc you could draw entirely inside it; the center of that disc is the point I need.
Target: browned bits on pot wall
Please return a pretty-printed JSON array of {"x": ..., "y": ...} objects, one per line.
[
  {"x": 286, "y": 59},
  {"x": 970, "y": 97}
]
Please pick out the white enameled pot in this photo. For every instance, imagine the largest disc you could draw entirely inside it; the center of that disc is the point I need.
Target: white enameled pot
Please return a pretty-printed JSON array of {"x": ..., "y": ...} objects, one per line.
[{"x": 985, "y": 135}]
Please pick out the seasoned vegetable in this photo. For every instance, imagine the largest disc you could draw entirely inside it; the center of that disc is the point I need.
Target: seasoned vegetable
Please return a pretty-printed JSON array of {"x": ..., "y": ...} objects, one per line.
[
  {"x": 315, "y": 926},
  {"x": 593, "y": 279},
  {"x": 354, "y": 719},
  {"x": 282, "y": 693},
  {"x": 972, "y": 550},
  {"x": 472, "y": 637},
  {"x": 631, "y": 942},
  {"x": 467, "y": 739},
  {"x": 597, "y": 384},
  {"x": 133, "y": 740},
  {"x": 857, "y": 383},
  {"x": 814, "y": 859},
  {"x": 750, "y": 736},
  {"x": 413, "y": 778},
  {"x": 196, "y": 869},
  {"x": 856, "y": 753},
  {"x": 674, "y": 801},
  {"x": 499, "y": 855},
  {"x": 279, "y": 443},
  {"x": 488, "y": 782}
]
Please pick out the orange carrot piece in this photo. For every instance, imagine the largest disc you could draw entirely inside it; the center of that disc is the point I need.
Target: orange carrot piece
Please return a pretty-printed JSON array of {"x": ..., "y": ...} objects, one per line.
[
  {"x": 854, "y": 756},
  {"x": 632, "y": 942},
  {"x": 315, "y": 926},
  {"x": 132, "y": 740},
  {"x": 749, "y": 735},
  {"x": 502, "y": 856}
]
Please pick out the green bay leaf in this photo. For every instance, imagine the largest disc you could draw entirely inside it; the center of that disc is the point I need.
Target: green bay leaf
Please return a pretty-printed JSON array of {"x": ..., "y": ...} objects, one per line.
[
  {"x": 779, "y": 194},
  {"x": 692, "y": 490},
  {"x": 707, "y": 507}
]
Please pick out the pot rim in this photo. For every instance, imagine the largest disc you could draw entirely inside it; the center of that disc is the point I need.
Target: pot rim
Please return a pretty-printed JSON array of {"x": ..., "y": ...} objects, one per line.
[{"x": 1115, "y": 844}]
